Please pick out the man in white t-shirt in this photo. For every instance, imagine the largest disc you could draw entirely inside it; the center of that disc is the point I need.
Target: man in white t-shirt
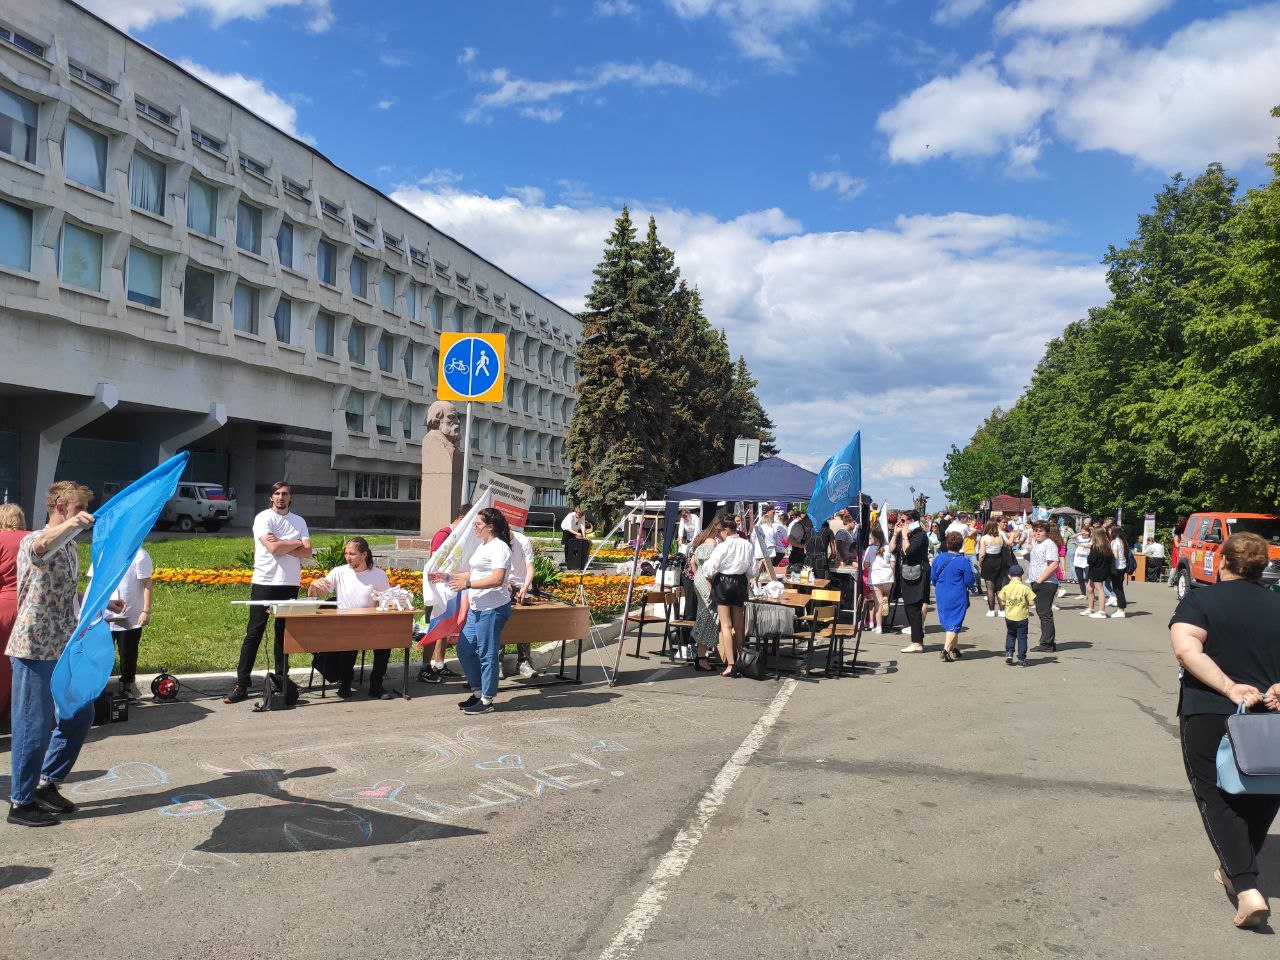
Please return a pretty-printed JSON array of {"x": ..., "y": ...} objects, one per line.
[
  {"x": 573, "y": 536},
  {"x": 521, "y": 579},
  {"x": 689, "y": 528},
  {"x": 281, "y": 541}
]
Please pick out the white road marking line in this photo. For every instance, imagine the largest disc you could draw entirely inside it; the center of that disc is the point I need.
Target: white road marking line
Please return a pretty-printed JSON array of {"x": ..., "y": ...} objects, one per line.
[{"x": 674, "y": 862}]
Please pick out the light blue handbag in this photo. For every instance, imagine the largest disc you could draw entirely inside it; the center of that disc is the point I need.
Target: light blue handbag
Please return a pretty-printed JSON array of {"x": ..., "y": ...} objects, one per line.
[{"x": 1248, "y": 758}]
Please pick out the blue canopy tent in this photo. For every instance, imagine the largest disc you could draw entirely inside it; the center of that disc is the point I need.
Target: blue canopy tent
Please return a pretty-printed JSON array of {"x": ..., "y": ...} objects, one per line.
[{"x": 771, "y": 480}]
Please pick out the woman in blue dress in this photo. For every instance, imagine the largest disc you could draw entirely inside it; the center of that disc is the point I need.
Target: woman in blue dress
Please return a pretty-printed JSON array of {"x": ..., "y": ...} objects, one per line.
[{"x": 952, "y": 577}]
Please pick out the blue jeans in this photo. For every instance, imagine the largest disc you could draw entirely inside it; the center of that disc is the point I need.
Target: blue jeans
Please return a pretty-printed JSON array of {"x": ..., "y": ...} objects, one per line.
[
  {"x": 1016, "y": 632},
  {"x": 43, "y": 747},
  {"x": 480, "y": 649}
]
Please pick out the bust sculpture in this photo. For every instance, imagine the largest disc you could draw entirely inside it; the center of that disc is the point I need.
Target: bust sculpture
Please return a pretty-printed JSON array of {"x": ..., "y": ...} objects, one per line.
[{"x": 441, "y": 491}]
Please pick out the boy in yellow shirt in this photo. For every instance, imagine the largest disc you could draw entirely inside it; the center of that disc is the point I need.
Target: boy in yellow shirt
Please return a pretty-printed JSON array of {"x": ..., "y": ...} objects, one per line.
[{"x": 1017, "y": 599}]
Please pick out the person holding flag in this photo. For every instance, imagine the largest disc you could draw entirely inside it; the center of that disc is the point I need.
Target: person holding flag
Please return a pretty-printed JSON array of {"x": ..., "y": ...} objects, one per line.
[{"x": 486, "y": 605}]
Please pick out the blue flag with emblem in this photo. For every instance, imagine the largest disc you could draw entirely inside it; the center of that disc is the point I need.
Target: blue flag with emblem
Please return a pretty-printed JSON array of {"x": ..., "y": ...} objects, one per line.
[
  {"x": 119, "y": 528},
  {"x": 839, "y": 482}
]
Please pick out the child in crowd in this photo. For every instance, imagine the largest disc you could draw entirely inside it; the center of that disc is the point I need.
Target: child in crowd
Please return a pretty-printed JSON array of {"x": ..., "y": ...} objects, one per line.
[{"x": 1017, "y": 599}]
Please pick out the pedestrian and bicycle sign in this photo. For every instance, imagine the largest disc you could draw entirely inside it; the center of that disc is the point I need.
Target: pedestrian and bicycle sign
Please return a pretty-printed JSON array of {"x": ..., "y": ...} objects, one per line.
[{"x": 471, "y": 367}]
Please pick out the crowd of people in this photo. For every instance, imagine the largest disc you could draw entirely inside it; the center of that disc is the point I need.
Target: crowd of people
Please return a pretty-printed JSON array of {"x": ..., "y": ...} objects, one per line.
[{"x": 1226, "y": 637}]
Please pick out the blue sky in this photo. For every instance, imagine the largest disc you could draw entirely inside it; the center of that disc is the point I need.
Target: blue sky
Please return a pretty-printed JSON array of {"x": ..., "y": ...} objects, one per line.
[{"x": 888, "y": 206}]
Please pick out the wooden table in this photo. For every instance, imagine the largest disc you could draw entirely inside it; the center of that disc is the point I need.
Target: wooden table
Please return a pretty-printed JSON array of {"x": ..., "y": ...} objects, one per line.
[
  {"x": 817, "y": 584},
  {"x": 333, "y": 631},
  {"x": 1139, "y": 574},
  {"x": 548, "y": 622}
]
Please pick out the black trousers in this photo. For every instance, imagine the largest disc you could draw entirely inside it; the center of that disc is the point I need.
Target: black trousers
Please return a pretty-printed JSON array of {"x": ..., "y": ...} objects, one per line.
[
  {"x": 127, "y": 644},
  {"x": 1045, "y": 594},
  {"x": 1117, "y": 587},
  {"x": 258, "y": 625},
  {"x": 915, "y": 620},
  {"x": 1237, "y": 824},
  {"x": 379, "y": 669}
]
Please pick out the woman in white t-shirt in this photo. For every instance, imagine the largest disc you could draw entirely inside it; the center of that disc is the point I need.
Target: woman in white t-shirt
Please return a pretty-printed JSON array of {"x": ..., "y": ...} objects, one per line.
[
  {"x": 878, "y": 562},
  {"x": 1081, "y": 544},
  {"x": 489, "y": 599},
  {"x": 355, "y": 583}
]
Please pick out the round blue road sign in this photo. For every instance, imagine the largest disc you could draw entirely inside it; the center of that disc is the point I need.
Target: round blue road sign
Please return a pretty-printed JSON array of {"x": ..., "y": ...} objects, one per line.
[{"x": 471, "y": 367}]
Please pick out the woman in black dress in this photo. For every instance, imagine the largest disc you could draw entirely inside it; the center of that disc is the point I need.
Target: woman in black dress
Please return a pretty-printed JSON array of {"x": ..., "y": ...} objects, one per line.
[{"x": 1227, "y": 639}]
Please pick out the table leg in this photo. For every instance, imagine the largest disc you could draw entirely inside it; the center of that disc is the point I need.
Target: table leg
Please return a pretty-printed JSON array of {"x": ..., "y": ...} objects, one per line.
[{"x": 404, "y": 689}]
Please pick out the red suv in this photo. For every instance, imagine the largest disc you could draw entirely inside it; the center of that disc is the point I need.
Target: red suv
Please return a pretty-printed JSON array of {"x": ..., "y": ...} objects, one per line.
[{"x": 1200, "y": 549}]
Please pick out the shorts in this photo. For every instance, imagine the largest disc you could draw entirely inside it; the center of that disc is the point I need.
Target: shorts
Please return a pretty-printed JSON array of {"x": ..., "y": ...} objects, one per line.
[{"x": 730, "y": 589}]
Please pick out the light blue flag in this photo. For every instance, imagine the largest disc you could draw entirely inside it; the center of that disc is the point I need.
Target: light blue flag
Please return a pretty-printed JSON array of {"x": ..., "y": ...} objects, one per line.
[
  {"x": 839, "y": 482},
  {"x": 119, "y": 528}
]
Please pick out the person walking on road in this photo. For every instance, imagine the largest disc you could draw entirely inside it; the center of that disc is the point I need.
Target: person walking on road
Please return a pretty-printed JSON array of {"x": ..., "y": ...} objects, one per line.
[
  {"x": 952, "y": 576},
  {"x": 1043, "y": 563},
  {"x": 1119, "y": 570},
  {"x": 910, "y": 544},
  {"x": 1100, "y": 564},
  {"x": 1017, "y": 598},
  {"x": 879, "y": 564},
  {"x": 1227, "y": 639},
  {"x": 1081, "y": 544},
  {"x": 991, "y": 549}
]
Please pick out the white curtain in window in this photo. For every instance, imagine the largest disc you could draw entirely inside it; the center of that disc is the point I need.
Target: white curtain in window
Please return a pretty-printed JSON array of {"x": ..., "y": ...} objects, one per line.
[
  {"x": 249, "y": 228},
  {"x": 202, "y": 207},
  {"x": 86, "y": 156},
  {"x": 244, "y": 308},
  {"x": 15, "y": 236},
  {"x": 146, "y": 183},
  {"x": 284, "y": 320},
  {"x": 143, "y": 276},
  {"x": 284, "y": 243},
  {"x": 408, "y": 361},
  {"x": 406, "y": 421},
  {"x": 384, "y": 417},
  {"x": 355, "y": 343},
  {"x": 80, "y": 262},
  {"x": 437, "y": 312},
  {"x": 18, "y": 117}
]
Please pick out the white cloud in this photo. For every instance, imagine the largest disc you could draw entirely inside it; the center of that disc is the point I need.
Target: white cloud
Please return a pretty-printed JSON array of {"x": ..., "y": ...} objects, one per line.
[
  {"x": 545, "y": 99},
  {"x": 953, "y": 11},
  {"x": 845, "y": 185},
  {"x": 467, "y": 55},
  {"x": 1204, "y": 95},
  {"x": 140, "y": 14},
  {"x": 616, "y": 8},
  {"x": 1051, "y": 16},
  {"x": 910, "y": 332},
  {"x": 386, "y": 103},
  {"x": 761, "y": 29},
  {"x": 394, "y": 60},
  {"x": 252, "y": 94},
  {"x": 971, "y": 114}
]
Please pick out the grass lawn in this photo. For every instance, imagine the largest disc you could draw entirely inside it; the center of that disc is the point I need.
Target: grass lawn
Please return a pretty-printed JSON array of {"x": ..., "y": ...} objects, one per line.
[{"x": 195, "y": 628}]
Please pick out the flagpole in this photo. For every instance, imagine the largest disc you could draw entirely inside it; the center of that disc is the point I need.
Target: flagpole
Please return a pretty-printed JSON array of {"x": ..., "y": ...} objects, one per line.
[{"x": 466, "y": 458}]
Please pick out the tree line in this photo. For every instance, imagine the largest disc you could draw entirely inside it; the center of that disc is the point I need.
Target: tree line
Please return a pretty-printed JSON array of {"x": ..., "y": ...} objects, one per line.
[
  {"x": 1167, "y": 399},
  {"x": 660, "y": 397}
]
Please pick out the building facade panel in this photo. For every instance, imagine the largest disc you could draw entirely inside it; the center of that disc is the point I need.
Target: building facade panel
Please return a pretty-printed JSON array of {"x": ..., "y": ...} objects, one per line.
[{"x": 172, "y": 267}]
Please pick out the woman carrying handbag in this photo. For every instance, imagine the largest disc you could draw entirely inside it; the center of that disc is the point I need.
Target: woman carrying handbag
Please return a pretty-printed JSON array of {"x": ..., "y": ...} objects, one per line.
[{"x": 1227, "y": 638}]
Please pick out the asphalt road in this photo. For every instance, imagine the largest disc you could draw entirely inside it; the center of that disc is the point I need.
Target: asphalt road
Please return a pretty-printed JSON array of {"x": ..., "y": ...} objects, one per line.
[{"x": 927, "y": 810}]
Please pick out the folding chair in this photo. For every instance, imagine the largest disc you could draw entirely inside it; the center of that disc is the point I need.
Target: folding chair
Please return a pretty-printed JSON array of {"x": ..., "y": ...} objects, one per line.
[
  {"x": 823, "y": 615},
  {"x": 683, "y": 628},
  {"x": 642, "y": 617}
]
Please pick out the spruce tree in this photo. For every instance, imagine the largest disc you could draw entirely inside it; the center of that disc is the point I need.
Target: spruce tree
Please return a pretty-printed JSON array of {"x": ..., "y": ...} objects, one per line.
[
  {"x": 752, "y": 421},
  {"x": 701, "y": 375},
  {"x": 618, "y": 440}
]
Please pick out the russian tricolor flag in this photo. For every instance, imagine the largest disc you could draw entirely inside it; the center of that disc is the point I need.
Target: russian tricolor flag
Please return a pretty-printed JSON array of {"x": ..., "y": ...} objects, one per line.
[{"x": 448, "y": 606}]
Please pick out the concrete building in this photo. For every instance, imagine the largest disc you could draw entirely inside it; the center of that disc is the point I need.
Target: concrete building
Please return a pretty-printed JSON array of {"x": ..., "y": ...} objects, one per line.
[{"x": 176, "y": 273}]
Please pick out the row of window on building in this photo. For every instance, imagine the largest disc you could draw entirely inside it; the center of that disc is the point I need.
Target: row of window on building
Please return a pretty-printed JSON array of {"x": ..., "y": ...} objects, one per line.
[
  {"x": 353, "y": 485},
  {"x": 80, "y": 247}
]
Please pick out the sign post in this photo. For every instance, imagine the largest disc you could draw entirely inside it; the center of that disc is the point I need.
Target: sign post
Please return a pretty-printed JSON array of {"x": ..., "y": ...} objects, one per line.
[
  {"x": 746, "y": 451},
  {"x": 472, "y": 367}
]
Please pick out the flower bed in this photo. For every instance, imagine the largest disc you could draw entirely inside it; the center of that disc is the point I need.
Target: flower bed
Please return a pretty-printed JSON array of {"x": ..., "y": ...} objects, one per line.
[
  {"x": 623, "y": 556},
  {"x": 605, "y": 592}
]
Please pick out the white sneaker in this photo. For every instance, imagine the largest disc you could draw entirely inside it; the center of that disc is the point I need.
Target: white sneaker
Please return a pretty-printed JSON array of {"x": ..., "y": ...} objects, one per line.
[
  {"x": 905, "y": 631},
  {"x": 1118, "y": 615},
  {"x": 1085, "y": 612},
  {"x": 1098, "y": 616},
  {"x": 912, "y": 649},
  {"x": 1055, "y": 607},
  {"x": 1111, "y": 601},
  {"x": 991, "y": 613},
  {"x": 878, "y": 630},
  {"x": 1061, "y": 592},
  {"x": 526, "y": 670}
]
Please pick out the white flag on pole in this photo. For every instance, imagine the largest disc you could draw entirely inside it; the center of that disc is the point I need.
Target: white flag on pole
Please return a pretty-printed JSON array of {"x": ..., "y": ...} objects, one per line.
[{"x": 1026, "y": 484}]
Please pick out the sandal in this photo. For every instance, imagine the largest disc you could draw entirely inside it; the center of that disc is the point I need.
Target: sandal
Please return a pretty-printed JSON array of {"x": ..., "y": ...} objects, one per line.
[
  {"x": 702, "y": 665},
  {"x": 946, "y": 655}
]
